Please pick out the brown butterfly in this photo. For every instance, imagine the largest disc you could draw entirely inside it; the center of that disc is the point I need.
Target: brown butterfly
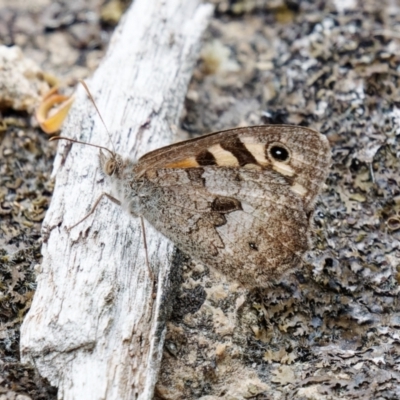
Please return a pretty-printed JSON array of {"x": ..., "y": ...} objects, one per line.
[{"x": 239, "y": 200}]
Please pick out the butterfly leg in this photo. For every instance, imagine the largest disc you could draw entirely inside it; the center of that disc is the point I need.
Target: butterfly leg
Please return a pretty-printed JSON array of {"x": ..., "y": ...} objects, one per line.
[
  {"x": 113, "y": 199},
  {"x": 151, "y": 274}
]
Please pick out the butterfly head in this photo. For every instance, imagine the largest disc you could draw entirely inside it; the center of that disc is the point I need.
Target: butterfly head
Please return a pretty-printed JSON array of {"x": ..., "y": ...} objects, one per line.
[{"x": 111, "y": 163}]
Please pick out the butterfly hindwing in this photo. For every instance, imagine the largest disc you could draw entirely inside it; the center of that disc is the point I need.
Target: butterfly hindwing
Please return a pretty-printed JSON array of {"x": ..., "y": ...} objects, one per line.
[{"x": 249, "y": 226}]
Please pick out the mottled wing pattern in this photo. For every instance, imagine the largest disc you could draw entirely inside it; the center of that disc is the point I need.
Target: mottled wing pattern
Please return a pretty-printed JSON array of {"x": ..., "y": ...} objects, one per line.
[{"x": 238, "y": 200}]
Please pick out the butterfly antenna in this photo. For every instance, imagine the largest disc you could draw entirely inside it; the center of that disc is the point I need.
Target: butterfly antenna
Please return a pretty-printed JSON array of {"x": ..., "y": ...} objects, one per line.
[
  {"x": 98, "y": 112},
  {"x": 77, "y": 141}
]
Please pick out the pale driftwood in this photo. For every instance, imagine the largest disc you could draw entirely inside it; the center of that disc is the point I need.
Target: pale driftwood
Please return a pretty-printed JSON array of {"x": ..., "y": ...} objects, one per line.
[{"x": 94, "y": 329}]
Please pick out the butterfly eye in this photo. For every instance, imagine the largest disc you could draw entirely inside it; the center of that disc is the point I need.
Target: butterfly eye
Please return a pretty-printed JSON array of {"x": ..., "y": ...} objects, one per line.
[
  {"x": 278, "y": 152},
  {"x": 110, "y": 167}
]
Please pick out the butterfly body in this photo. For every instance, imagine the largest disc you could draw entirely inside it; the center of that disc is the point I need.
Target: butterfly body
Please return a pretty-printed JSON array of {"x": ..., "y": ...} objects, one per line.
[{"x": 240, "y": 200}]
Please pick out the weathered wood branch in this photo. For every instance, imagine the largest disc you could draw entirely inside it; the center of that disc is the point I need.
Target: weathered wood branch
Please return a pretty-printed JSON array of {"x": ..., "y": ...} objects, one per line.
[{"x": 94, "y": 329}]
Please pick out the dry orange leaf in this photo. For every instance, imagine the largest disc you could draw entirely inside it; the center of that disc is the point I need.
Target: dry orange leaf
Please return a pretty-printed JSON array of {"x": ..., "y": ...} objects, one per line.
[{"x": 51, "y": 116}]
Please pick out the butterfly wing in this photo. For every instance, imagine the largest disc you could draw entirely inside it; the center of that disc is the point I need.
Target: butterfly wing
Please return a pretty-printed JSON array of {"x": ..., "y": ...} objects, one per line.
[
  {"x": 305, "y": 169},
  {"x": 237, "y": 200}
]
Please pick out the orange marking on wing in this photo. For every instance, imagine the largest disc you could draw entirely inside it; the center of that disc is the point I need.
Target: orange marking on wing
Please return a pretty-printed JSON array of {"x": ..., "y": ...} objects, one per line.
[{"x": 186, "y": 163}]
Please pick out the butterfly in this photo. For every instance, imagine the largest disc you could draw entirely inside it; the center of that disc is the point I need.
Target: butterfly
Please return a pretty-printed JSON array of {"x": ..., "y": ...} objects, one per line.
[{"x": 240, "y": 200}]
